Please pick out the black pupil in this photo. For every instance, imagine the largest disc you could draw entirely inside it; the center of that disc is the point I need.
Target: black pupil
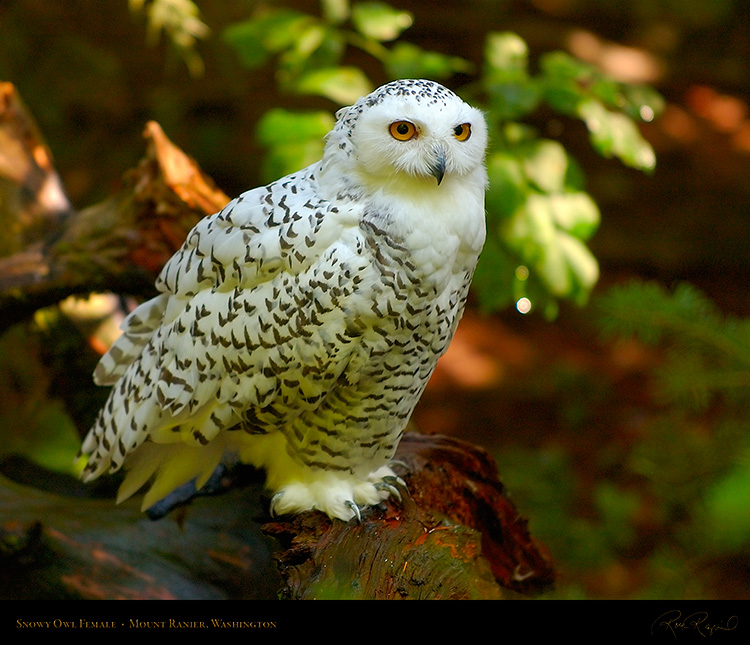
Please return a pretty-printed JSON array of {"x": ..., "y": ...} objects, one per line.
[
  {"x": 402, "y": 128},
  {"x": 459, "y": 130}
]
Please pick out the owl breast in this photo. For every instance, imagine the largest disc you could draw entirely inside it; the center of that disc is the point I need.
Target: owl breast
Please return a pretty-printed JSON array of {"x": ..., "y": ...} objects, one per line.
[{"x": 381, "y": 326}]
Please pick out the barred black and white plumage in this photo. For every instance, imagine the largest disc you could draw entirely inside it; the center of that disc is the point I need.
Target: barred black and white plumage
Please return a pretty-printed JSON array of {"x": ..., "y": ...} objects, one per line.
[{"x": 297, "y": 328}]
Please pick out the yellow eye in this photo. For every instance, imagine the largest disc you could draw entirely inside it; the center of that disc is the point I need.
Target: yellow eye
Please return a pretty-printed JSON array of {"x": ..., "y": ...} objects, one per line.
[
  {"x": 462, "y": 131},
  {"x": 403, "y": 130}
]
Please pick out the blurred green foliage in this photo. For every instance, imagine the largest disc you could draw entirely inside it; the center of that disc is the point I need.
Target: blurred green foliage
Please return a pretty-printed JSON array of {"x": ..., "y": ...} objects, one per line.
[
  {"x": 34, "y": 423},
  {"x": 708, "y": 353},
  {"x": 292, "y": 138},
  {"x": 678, "y": 495},
  {"x": 705, "y": 376}
]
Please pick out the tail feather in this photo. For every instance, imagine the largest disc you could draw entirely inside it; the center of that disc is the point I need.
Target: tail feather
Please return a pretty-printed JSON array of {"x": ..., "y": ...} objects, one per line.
[{"x": 170, "y": 466}]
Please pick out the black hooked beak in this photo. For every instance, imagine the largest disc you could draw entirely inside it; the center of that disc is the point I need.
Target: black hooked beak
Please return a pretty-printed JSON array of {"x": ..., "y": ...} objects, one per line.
[{"x": 437, "y": 168}]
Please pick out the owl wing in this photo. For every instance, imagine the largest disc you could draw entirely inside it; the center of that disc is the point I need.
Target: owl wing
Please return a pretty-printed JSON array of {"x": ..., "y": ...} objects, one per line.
[{"x": 234, "y": 309}]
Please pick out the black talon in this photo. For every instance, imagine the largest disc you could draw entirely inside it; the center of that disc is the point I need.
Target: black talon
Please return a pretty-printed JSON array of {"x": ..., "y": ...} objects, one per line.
[
  {"x": 397, "y": 462},
  {"x": 395, "y": 480},
  {"x": 272, "y": 506},
  {"x": 384, "y": 485},
  {"x": 354, "y": 508}
]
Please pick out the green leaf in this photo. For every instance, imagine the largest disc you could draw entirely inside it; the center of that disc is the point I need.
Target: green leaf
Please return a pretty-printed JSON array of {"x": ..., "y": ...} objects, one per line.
[
  {"x": 643, "y": 102},
  {"x": 561, "y": 261},
  {"x": 271, "y": 32},
  {"x": 608, "y": 91},
  {"x": 543, "y": 218},
  {"x": 406, "y": 60},
  {"x": 508, "y": 186},
  {"x": 576, "y": 213},
  {"x": 319, "y": 47},
  {"x": 343, "y": 85},
  {"x": 279, "y": 126},
  {"x": 578, "y": 89},
  {"x": 335, "y": 11},
  {"x": 380, "y": 21},
  {"x": 294, "y": 140},
  {"x": 494, "y": 276},
  {"x": 565, "y": 81},
  {"x": 583, "y": 269},
  {"x": 513, "y": 94},
  {"x": 181, "y": 22},
  {"x": 513, "y": 100},
  {"x": 310, "y": 38},
  {"x": 531, "y": 234},
  {"x": 566, "y": 68},
  {"x": 615, "y": 134},
  {"x": 545, "y": 163},
  {"x": 506, "y": 56}
]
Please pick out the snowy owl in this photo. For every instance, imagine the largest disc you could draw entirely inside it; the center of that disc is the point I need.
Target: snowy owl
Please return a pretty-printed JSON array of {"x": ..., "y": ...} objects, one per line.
[{"x": 296, "y": 329}]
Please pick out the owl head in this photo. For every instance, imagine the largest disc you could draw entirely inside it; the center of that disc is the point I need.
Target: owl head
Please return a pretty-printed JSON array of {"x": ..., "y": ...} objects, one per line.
[{"x": 410, "y": 129}]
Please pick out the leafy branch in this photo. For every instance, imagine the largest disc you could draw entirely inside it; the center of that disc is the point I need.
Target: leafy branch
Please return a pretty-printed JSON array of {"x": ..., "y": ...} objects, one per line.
[
  {"x": 180, "y": 21},
  {"x": 539, "y": 214},
  {"x": 537, "y": 204}
]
